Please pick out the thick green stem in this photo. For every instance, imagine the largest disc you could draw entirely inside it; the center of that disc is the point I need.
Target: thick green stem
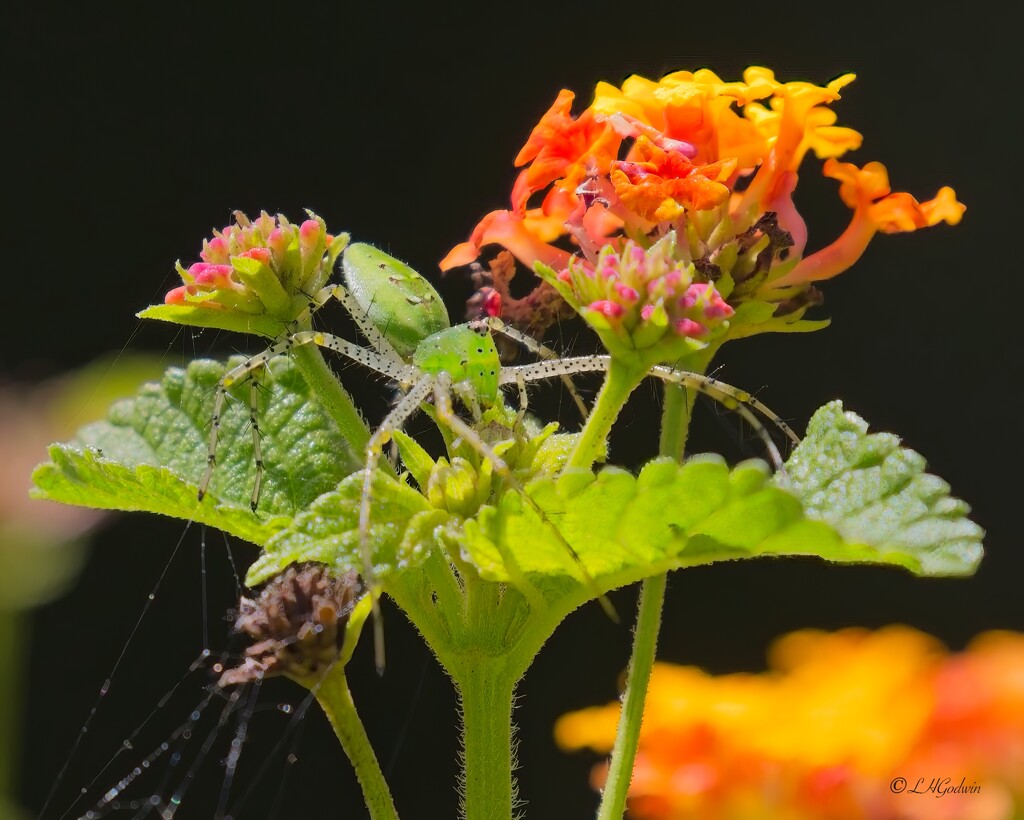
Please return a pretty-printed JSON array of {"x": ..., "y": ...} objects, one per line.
[
  {"x": 485, "y": 688},
  {"x": 332, "y": 396},
  {"x": 336, "y": 700},
  {"x": 11, "y": 664},
  {"x": 619, "y": 382},
  {"x": 675, "y": 425}
]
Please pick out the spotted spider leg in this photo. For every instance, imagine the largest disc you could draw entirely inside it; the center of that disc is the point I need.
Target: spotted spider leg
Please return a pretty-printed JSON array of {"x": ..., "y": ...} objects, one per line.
[
  {"x": 543, "y": 351},
  {"x": 731, "y": 397},
  {"x": 407, "y": 405},
  {"x": 369, "y": 330},
  {"x": 395, "y": 369},
  {"x": 441, "y": 386}
]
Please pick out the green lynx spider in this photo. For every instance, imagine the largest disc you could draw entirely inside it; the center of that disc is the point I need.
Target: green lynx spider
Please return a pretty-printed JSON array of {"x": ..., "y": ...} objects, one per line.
[{"x": 461, "y": 361}]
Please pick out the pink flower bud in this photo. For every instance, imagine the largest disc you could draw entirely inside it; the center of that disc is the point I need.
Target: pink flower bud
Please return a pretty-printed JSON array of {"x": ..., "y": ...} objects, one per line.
[
  {"x": 211, "y": 276},
  {"x": 215, "y": 251},
  {"x": 693, "y": 293},
  {"x": 688, "y": 327},
  {"x": 262, "y": 254},
  {"x": 176, "y": 296},
  {"x": 626, "y": 293},
  {"x": 613, "y": 310},
  {"x": 718, "y": 309},
  {"x": 309, "y": 233},
  {"x": 279, "y": 239}
]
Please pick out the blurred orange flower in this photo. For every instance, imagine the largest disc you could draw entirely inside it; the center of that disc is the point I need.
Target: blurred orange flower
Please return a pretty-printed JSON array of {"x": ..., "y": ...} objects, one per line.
[{"x": 855, "y": 724}]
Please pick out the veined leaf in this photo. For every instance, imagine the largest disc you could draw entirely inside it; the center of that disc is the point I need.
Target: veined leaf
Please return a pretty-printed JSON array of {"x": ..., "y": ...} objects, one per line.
[
  {"x": 151, "y": 452},
  {"x": 846, "y": 497},
  {"x": 873, "y": 492}
]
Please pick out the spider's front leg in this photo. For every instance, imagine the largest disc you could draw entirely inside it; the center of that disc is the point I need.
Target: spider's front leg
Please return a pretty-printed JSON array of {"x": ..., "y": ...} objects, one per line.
[
  {"x": 248, "y": 370},
  {"x": 447, "y": 415},
  {"x": 543, "y": 351},
  {"x": 395, "y": 369},
  {"x": 728, "y": 396},
  {"x": 395, "y": 420}
]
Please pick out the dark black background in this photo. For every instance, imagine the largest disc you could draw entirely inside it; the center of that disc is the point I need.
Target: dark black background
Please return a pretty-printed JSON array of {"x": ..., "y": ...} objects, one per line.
[{"x": 131, "y": 135}]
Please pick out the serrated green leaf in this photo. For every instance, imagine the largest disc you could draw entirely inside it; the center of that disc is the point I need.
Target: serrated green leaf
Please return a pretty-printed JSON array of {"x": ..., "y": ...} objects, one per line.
[
  {"x": 847, "y": 497},
  {"x": 83, "y": 477},
  {"x": 151, "y": 452},
  {"x": 626, "y": 527},
  {"x": 328, "y": 532},
  {"x": 873, "y": 492}
]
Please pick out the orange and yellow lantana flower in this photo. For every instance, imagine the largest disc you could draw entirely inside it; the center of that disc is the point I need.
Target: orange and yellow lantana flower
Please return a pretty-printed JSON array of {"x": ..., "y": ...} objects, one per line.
[{"x": 714, "y": 162}]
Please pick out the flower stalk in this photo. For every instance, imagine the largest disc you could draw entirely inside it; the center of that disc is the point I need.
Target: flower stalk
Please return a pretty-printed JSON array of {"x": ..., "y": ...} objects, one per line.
[
  {"x": 675, "y": 426},
  {"x": 486, "y": 694},
  {"x": 335, "y": 699}
]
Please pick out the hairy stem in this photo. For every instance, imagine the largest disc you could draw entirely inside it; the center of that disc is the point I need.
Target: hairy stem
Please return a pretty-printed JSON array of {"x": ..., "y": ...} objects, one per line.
[
  {"x": 485, "y": 688},
  {"x": 619, "y": 382},
  {"x": 675, "y": 426},
  {"x": 627, "y": 735},
  {"x": 334, "y": 697},
  {"x": 675, "y": 420},
  {"x": 332, "y": 396}
]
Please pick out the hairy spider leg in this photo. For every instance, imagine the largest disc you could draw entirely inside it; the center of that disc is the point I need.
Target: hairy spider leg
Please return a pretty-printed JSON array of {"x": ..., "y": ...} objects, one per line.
[
  {"x": 394, "y": 369},
  {"x": 524, "y": 401},
  {"x": 382, "y": 357},
  {"x": 727, "y": 395},
  {"x": 445, "y": 411},
  {"x": 420, "y": 384},
  {"x": 254, "y": 428},
  {"x": 542, "y": 350},
  {"x": 407, "y": 405},
  {"x": 441, "y": 386},
  {"x": 369, "y": 330},
  {"x": 257, "y": 452}
]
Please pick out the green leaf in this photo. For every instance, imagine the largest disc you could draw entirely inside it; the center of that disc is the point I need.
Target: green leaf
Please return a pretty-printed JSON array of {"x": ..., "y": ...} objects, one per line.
[
  {"x": 846, "y": 497},
  {"x": 83, "y": 477},
  {"x": 626, "y": 527},
  {"x": 151, "y": 452},
  {"x": 328, "y": 532},
  {"x": 752, "y": 318},
  {"x": 261, "y": 324},
  {"x": 875, "y": 493},
  {"x": 416, "y": 460}
]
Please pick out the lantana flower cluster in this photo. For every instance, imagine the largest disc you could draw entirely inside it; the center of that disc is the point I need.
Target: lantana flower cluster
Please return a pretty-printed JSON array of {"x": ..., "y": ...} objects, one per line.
[
  {"x": 267, "y": 266},
  {"x": 639, "y": 298},
  {"x": 852, "y": 724},
  {"x": 715, "y": 162}
]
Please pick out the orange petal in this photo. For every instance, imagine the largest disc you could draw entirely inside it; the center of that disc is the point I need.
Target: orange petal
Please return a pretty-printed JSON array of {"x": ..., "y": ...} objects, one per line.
[
  {"x": 512, "y": 232},
  {"x": 944, "y": 208}
]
